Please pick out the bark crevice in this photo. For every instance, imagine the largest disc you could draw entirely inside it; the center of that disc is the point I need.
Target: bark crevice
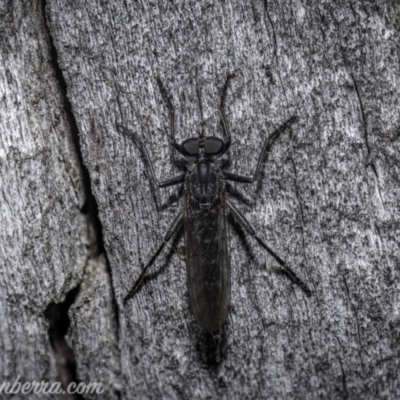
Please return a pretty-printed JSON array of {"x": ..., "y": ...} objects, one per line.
[
  {"x": 57, "y": 314},
  {"x": 344, "y": 381},
  {"x": 296, "y": 190},
  {"x": 59, "y": 322},
  {"x": 367, "y": 145},
  {"x": 273, "y": 30},
  {"x": 363, "y": 117},
  {"x": 356, "y": 320}
]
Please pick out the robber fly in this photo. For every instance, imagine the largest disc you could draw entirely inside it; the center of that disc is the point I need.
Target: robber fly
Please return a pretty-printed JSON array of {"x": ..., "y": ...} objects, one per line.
[{"x": 205, "y": 216}]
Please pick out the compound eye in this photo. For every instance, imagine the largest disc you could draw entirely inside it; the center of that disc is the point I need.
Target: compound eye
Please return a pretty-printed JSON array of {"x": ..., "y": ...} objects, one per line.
[
  {"x": 213, "y": 145},
  {"x": 190, "y": 147}
]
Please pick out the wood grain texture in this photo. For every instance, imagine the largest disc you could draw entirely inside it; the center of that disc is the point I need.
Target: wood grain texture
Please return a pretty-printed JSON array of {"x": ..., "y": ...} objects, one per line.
[
  {"x": 328, "y": 200},
  {"x": 94, "y": 332},
  {"x": 47, "y": 234},
  {"x": 43, "y": 234}
]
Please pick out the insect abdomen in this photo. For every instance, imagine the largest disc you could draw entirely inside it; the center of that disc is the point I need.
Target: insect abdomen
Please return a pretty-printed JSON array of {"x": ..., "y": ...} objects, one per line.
[{"x": 208, "y": 266}]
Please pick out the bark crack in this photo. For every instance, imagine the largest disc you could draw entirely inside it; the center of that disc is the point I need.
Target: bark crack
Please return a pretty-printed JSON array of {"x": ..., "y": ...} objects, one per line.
[
  {"x": 275, "y": 49},
  {"x": 344, "y": 378},
  {"x": 296, "y": 189},
  {"x": 364, "y": 119},
  {"x": 273, "y": 30},
  {"x": 367, "y": 145},
  {"x": 370, "y": 163},
  {"x": 59, "y": 322},
  {"x": 356, "y": 319},
  {"x": 89, "y": 209},
  {"x": 298, "y": 198}
]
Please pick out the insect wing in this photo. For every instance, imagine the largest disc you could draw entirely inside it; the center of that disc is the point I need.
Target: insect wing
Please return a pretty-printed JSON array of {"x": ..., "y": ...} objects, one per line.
[{"x": 208, "y": 264}]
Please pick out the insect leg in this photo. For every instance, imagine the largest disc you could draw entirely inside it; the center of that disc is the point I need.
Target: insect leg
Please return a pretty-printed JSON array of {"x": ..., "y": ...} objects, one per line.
[
  {"x": 224, "y": 123},
  {"x": 171, "y": 109},
  {"x": 175, "y": 226},
  {"x": 246, "y": 225},
  {"x": 267, "y": 145},
  {"x": 169, "y": 182}
]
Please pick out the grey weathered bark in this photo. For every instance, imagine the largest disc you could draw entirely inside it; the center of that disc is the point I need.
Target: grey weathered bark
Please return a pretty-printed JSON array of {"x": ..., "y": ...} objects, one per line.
[{"x": 328, "y": 202}]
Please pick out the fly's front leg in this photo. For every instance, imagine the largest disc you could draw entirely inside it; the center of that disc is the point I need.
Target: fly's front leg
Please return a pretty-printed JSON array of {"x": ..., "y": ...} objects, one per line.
[
  {"x": 175, "y": 226},
  {"x": 246, "y": 225},
  {"x": 224, "y": 123},
  {"x": 168, "y": 99},
  {"x": 267, "y": 145},
  {"x": 169, "y": 182}
]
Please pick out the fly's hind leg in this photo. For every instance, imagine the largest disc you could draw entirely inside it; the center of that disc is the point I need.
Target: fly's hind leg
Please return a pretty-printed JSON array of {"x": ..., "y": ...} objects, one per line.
[
  {"x": 175, "y": 226},
  {"x": 241, "y": 219}
]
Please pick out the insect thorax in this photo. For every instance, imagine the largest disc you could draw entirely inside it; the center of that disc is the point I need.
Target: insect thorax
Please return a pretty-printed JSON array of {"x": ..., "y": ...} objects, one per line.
[{"x": 204, "y": 184}]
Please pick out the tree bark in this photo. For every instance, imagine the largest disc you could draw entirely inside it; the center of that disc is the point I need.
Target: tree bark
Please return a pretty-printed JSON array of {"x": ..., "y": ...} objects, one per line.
[{"x": 80, "y": 216}]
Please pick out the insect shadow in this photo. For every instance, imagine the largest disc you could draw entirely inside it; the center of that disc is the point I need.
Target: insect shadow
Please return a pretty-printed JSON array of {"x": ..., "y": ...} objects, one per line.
[{"x": 206, "y": 207}]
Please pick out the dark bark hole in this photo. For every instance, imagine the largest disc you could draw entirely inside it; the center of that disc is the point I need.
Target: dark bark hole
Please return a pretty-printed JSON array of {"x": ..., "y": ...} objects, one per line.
[{"x": 59, "y": 322}]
